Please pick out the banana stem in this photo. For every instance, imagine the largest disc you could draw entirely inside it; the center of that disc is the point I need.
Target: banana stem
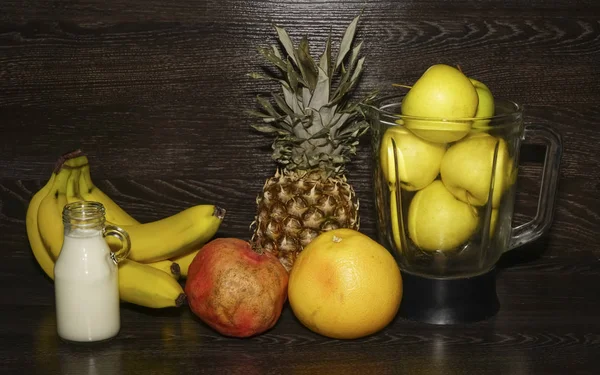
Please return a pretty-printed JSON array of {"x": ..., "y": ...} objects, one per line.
[
  {"x": 175, "y": 269},
  {"x": 60, "y": 163}
]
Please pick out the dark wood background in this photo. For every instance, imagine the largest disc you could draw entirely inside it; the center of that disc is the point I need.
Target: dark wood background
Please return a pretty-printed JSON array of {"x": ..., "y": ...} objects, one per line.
[{"x": 155, "y": 92}]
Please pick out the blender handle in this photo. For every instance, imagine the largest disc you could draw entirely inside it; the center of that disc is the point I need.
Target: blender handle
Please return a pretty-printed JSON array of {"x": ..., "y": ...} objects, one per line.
[{"x": 540, "y": 224}]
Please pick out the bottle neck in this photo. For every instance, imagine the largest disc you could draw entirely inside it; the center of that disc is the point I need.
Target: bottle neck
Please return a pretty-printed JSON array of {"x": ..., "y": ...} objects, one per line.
[{"x": 83, "y": 217}]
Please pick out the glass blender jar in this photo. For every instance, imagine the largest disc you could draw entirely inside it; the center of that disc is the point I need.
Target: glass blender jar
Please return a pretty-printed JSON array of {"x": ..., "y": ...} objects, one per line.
[{"x": 445, "y": 194}]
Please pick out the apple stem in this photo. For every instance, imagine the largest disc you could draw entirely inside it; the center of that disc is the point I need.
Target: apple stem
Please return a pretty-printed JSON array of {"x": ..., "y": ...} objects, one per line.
[{"x": 459, "y": 69}]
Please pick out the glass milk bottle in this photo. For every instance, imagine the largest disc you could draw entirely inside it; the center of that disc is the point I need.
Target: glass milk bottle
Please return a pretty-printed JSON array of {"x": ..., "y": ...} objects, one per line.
[{"x": 86, "y": 275}]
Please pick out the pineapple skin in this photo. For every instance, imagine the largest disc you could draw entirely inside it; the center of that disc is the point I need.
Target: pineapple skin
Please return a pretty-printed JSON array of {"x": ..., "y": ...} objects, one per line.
[{"x": 295, "y": 207}]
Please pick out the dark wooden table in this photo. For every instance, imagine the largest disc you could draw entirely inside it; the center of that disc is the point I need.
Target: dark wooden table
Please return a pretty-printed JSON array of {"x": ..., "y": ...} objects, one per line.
[{"x": 155, "y": 93}]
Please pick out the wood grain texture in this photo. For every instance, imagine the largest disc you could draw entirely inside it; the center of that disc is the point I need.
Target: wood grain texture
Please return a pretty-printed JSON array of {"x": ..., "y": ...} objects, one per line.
[{"x": 155, "y": 92}]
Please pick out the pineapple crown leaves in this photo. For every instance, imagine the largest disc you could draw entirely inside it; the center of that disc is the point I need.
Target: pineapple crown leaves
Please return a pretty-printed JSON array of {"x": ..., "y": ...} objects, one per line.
[{"x": 315, "y": 125}]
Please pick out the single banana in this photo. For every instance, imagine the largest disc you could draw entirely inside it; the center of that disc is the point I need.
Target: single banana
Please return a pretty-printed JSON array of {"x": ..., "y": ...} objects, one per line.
[
  {"x": 50, "y": 224},
  {"x": 185, "y": 260},
  {"x": 39, "y": 249},
  {"x": 90, "y": 192},
  {"x": 40, "y": 252},
  {"x": 73, "y": 186},
  {"x": 174, "y": 235},
  {"x": 144, "y": 285},
  {"x": 170, "y": 267},
  {"x": 49, "y": 219}
]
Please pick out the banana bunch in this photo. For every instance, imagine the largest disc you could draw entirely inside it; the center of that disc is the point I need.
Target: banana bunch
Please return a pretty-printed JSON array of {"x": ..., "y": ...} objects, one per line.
[{"x": 149, "y": 276}]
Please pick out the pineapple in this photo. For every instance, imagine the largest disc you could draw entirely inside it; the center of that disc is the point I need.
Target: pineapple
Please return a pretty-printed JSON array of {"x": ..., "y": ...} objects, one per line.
[{"x": 316, "y": 132}]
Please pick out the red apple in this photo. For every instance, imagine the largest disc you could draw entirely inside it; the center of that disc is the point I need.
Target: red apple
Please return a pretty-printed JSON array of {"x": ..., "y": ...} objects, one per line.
[{"x": 234, "y": 289}]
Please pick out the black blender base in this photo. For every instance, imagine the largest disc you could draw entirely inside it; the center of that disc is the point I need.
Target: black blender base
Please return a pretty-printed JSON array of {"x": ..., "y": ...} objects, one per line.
[{"x": 449, "y": 301}]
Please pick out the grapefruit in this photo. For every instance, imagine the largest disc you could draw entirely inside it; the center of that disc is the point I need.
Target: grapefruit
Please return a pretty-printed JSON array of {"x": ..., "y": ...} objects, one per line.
[{"x": 345, "y": 285}]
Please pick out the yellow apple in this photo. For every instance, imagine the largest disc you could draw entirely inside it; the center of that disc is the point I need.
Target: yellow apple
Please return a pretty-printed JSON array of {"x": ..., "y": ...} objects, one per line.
[
  {"x": 439, "y": 221},
  {"x": 418, "y": 160},
  {"x": 442, "y": 94},
  {"x": 485, "y": 108},
  {"x": 466, "y": 169}
]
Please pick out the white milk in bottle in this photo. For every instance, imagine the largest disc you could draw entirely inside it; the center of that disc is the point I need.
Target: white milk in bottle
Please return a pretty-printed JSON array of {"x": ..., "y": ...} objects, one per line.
[{"x": 86, "y": 276}]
